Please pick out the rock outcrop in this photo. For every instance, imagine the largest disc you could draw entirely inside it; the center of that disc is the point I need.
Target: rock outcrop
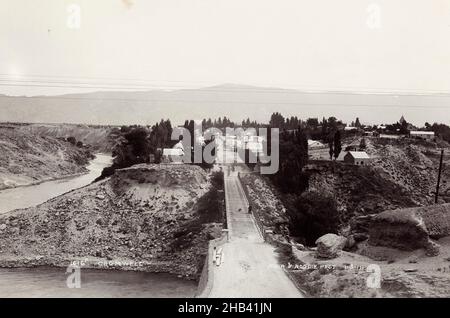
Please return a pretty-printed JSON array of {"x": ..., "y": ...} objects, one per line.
[
  {"x": 411, "y": 228},
  {"x": 330, "y": 245}
]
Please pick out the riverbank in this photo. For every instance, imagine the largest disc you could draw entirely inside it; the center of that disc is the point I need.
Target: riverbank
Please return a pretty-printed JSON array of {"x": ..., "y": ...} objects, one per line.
[
  {"x": 32, "y": 195},
  {"x": 97, "y": 263},
  {"x": 30, "y": 159}
]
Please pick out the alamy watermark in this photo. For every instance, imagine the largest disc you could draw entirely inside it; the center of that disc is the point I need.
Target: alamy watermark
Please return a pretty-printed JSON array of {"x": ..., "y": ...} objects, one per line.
[{"x": 251, "y": 145}]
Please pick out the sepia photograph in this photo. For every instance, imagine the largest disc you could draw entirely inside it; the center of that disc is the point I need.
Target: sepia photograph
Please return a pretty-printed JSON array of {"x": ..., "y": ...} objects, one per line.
[{"x": 223, "y": 149}]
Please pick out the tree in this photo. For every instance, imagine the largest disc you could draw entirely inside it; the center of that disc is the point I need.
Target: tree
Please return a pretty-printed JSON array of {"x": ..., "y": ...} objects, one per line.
[
  {"x": 277, "y": 121},
  {"x": 293, "y": 154},
  {"x": 331, "y": 149},
  {"x": 312, "y": 215},
  {"x": 442, "y": 131},
  {"x": 312, "y": 123},
  {"x": 132, "y": 147},
  {"x": 332, "y": 123},
  {"x": 362, "y": 144},
  {"x": 337, "y": 144},
  {"x": 72, "y": 140},
  {"x": 404, "y": 127}
]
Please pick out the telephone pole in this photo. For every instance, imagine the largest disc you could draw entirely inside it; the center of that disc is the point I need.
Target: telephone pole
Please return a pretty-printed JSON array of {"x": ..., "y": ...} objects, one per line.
[{"x": 439, "y": 177}]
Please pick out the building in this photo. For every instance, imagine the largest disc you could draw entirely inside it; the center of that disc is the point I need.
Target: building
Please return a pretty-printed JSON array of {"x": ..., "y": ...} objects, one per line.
[
  {"x": 351, "y": 128},
  {"x": 359, "y": 158},
  {"x": 371, "y": 133},
  {"x": 426, "y": 135},
  {"x": 172, "y": 155},
  {"x": 315, "y": 144}
]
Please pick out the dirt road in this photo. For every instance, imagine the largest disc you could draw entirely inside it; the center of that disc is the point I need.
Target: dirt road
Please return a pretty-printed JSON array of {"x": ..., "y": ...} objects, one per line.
[{"x": 249, "y": 267}]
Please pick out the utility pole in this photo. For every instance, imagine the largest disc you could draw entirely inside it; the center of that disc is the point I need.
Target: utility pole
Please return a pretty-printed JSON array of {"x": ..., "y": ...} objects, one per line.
[{"x": 439, "y": 177}]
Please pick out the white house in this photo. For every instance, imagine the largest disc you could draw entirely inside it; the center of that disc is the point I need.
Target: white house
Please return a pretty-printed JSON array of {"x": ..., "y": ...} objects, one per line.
[
  {"x": 427, "y": 135},
  {"x": 359, "y": 158},
  {"x": 172, "y": 155},
  {"x": 315, "y": 144}
]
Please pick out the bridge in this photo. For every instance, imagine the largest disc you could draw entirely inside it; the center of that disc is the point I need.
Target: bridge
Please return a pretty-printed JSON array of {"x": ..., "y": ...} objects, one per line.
[{"x": 246, "y": 266}]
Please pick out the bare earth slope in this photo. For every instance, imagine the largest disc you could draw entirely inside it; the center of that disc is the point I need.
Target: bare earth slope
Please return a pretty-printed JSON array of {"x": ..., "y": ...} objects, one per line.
[
  {"x": 96, "y": 137},
  {"x": 27, "y": 158},
  {"x": 402, "y": 174}
]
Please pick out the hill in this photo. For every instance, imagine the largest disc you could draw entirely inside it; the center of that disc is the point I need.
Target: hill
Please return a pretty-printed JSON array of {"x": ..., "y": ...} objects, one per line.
[
  {"x": 28, "y": 158},
  {"x": 98, "y": 138},
  {"x": 402, "y": 173},
  {"x": 236, "y": 102}
]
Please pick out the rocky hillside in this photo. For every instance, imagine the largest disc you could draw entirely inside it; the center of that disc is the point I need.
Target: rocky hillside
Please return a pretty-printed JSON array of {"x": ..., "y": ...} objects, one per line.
[
  {"x": 413, "y": 165},
  {"x": 156, "y": 217},
  {"x": 403, "y": 173},
  {"x": 98, "y": 138},
  {"x": 27, "y": 158}
]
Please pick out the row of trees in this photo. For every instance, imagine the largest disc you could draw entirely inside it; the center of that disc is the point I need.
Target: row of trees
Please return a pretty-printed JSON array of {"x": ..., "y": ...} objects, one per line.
[
  {"x": 293, "y": 156},
  {"x": 137, "y": 144},
  {"x": 440, "y": 130},
  {"x": 220, "y": 123}
]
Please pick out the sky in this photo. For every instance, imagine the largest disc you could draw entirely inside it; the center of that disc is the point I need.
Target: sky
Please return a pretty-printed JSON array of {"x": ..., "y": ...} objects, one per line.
[{"x": 48, "y": 47}]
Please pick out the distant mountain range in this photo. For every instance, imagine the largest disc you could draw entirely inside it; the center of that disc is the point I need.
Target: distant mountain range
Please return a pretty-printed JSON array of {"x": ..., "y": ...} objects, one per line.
[{"x": 236, "y": 102}]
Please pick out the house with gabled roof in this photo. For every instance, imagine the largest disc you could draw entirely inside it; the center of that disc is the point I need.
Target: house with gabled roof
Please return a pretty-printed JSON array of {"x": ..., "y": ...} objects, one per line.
[{"x": 359, "y": 158}]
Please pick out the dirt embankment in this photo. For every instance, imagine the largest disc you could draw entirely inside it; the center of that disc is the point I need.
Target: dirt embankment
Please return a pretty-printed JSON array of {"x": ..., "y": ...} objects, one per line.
[
  {"x": 154, "y": 217},
  {"x": 97, "y": 138},
  {"x": 267, "y": 206},
  {"x": 28, "y": 158},
  {"x": 413, "y": 165}
]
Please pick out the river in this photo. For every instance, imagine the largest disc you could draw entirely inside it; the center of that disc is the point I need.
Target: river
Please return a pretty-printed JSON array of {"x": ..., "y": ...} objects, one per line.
[
  {"x": 51, "y": 282},
  {"x": 28, "y": 196}
]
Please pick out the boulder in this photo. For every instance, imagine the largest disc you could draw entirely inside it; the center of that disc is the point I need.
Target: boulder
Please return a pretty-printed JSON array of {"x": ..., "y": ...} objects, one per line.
[
  {"x": 330, "y": 245},
  {"x": 432, "y": 249}
]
